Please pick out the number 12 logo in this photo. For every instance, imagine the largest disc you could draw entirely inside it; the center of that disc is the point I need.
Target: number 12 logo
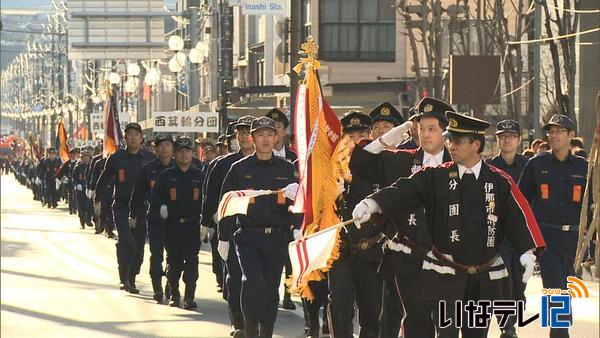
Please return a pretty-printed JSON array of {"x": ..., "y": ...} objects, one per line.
[{"x": 561, "y": 306}]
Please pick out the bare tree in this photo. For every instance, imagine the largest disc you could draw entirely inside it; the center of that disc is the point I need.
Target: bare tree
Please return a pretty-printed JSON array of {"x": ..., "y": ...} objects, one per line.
[
  {"x": 565, "y": 21},
  {"x": 494, "y": 23}
]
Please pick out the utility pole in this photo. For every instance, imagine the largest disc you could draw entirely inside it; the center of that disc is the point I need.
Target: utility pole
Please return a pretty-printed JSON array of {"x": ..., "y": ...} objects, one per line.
[
  {"x": 194, "y": 32},
  {"x": 226, "y": 48},
  {"x": 537, "y": 26},
  {"x": 295, "y": 41}
]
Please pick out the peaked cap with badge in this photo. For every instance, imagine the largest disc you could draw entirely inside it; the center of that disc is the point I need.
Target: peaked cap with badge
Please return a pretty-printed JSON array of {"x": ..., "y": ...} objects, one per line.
[
  {"x": 245, "y": 121},
  {"x": 183, "y": 142},
  {"x": 355, "y": 120},
  {"x": 462, "y": 125},
  {"x": 430, "y": 107},
  {"x": 508, "y": 126},
  {"x": 560, "y": 120},
  {"x": 387, "y": 112},
  {"x": 278, "y": 116},
  {"x": 262, "y": 122}
]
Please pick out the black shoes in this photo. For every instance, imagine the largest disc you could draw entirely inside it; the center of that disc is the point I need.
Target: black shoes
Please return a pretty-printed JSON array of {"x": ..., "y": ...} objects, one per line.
[
  {"x": 158, "y": 297},
  {"x": 287, "y": 304},
  {"x": 175, "y": 302},
  {"x": 189, "y": 304}
]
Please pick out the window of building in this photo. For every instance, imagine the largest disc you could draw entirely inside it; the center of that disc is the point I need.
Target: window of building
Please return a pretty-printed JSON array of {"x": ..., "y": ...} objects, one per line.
[{"x": 355, "y": 30}]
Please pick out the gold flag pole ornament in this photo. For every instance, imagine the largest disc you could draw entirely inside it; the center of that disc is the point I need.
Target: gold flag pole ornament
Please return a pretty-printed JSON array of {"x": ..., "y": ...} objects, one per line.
[{"x": 318, "y": 134}]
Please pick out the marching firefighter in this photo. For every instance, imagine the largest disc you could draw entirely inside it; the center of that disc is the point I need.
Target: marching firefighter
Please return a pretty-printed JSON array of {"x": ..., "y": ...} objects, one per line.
[
  {"x": 284, "y": 151},
  {"x": 83, "y": 202},
  {"x": 470, "y": 208},
  {"x": 242, "y": 144},
  {"x": 508, "y": 135},
  {"x": 49, "y": 168},
  {"x": 555, "y": 182},
  {"x": 123, "y": 168},
  {"x": 353, "y": 276},
  {"x": 261, "y": 239},
  {"x": 138, "y": 206},
  {"x": 177, "y": 197},
  {"x": 380, "y": 163}
]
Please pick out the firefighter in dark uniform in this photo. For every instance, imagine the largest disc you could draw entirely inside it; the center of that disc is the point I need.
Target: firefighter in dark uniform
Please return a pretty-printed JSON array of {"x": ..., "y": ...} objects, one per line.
[
  {"x": 221, "y": 145},
  {"x": 260, "y": 236},
  {"x": 554, "y": 183},
  {"x": 91, "y": 181},
  {"x": 102, "y": 209},
  {"x": 470, "y": 208},
  {"x": 123, "y": 168},
  {"x": 284, "y": 151},
  {"x": 383, "y": 165},
  {"x": 163, "y": 145},
  {"x": 50, "y": 167},
  {"x": 385, "y": 117},
  {"x": 353, "y": 276},
  {"x": 209, "y": 224},
  {"x": 177, "y": 198},
  {"x": 64, "y": 175},
  {"x": 79, "y": 182},
  {"x": 508, "y": 135},
  {"x": 232, "y": 275}
]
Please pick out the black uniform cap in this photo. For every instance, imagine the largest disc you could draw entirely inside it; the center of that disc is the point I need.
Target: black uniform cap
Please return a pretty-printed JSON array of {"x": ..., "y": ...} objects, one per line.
[
  {"x": 278, "y": 116},
  {"x": 263, "y": 122},
  {"x": 387, "y": 112},
  {"x": 221, "y": 139},
  {"x": 508, "y": 126},
  {"x": 183, "y": 142},
  {"x": 133, "y": 125},
  {"x": 430, "y": 107},
  {"x": 356, "y": 120},
  {"x": 245, "y": 121},
  {"x": 161, "y": 137},
  {"x": 230, "y": 132},
  {"x": 461, "y": 125},
  {"x": 560, "y": 121}
]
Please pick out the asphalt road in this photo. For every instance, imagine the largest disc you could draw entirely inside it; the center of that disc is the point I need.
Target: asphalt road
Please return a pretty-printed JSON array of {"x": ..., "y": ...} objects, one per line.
[{"x": 60, "y": 281}]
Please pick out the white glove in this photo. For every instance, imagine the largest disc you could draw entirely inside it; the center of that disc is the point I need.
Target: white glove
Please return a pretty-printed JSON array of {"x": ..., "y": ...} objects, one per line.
[
  {"x": 97, "y": 209},
  {"x": 92, "y": 194},
  {"x": 38, "y": 181},
  {"x": 392, "y": 138},
  {"x": 164, "y": 212},
  {"x": 297, "y": 234},
  {"x": 290, "y": 191},
  {"x": 528, "y": 261},
  {"x": 57, "y": 183},
  {"x": 203, "y": 233},
  {"x": 341, "y": 186},
  {"x": 65, "y": 180},
  {"x": 223, "y": 249},
  {"x": 79, "y": 187},
  {"x": 132, "y": 222},
  {"x": 363, "y": 210}
]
